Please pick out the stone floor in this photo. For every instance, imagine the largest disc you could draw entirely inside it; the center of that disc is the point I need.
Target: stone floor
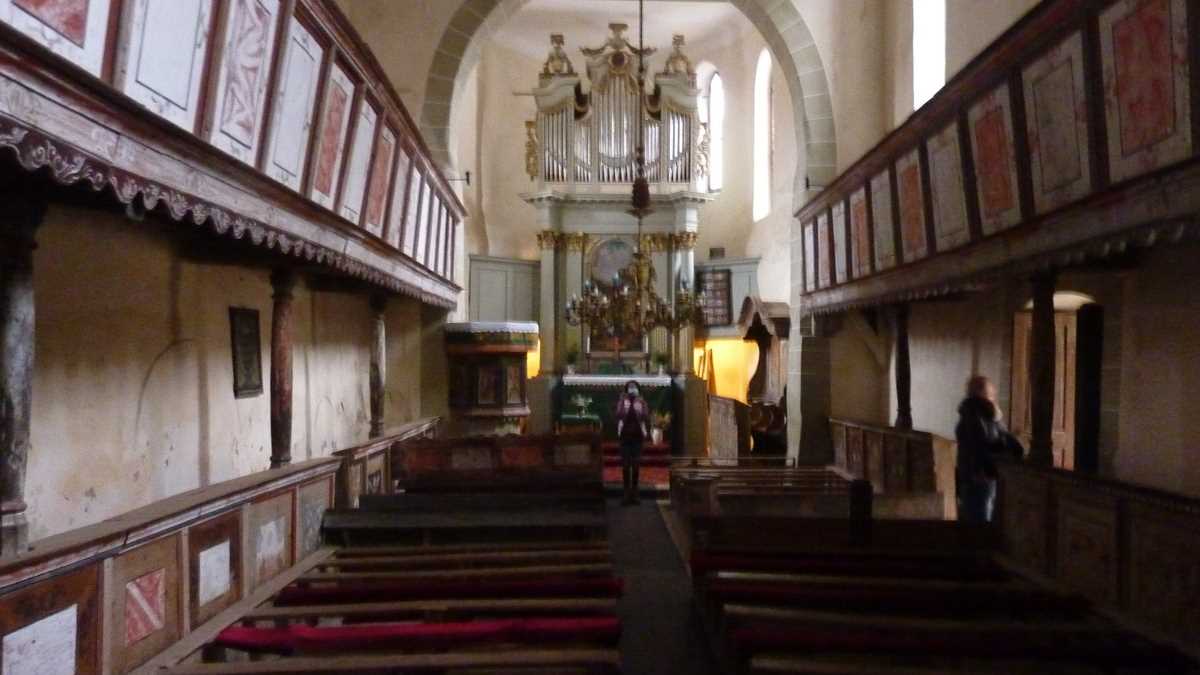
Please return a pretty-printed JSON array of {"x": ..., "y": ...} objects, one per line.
[{"x": 660, "y": 631}]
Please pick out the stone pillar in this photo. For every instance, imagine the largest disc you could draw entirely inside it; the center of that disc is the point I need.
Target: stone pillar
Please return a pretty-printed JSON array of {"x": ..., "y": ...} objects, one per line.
[
  {"x": 903, "y": 371},
  {"x": 20, "y": 220},
  {"x": 550, "y": 307},
  {"x": 378, "y": 363},
  {"x": 813, "y": 399},
  {"x": 1041, "y": 370},
  {"x": 283, "y": 281}
]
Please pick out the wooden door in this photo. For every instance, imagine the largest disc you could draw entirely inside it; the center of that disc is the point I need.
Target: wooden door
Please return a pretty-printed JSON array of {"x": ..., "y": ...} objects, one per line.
[{"x": 1063, "y": 431}]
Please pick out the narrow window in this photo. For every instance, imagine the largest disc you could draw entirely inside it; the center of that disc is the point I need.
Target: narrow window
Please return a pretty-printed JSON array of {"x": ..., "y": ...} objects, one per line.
[
  {"x": 929, "y": 49},
  {"x": 762, "y": 137}
]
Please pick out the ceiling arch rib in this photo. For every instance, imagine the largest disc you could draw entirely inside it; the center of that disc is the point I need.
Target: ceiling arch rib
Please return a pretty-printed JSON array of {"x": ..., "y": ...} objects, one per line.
[{"x": 780, "y": 24}]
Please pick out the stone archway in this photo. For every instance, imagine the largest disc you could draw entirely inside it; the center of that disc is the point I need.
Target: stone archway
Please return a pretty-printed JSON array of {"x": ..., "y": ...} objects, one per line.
[{"x": 782, "y": 28}]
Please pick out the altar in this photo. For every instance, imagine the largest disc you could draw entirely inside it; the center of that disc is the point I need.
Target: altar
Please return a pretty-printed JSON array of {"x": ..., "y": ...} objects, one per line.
[{"x": 592, "y": 399}]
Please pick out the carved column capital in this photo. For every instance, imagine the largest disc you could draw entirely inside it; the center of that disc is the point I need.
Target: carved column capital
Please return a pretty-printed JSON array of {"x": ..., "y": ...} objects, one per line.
[
  {"x": 575, "y": 241},
  {"x": 684, "y": 241},
  {"x": 656, "y": 242},
  {"x": 549, "y": 240}
]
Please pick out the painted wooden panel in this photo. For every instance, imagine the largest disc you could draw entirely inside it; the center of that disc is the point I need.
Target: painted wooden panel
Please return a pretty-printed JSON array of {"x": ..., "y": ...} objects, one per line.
[
  {"x": 295, "y": 105},
  {"x": 1056, "y": 118},
  {"x": 1023, "y": 516},
  {"x": 270, "y": 537},
  {"x": 359, "y": 163},
  {"x": 334, "y": 121},
  {"x": 883, "y": 221},
  {"x": 435, "y": 247},
  {"x": 837, "y": 434},
  {"x": 239, "y": 98},
  {"x": 380, "y": 184},
  {"x": 823, "y": 261},
  {"x": 810, "y": 261},
  {"x": 994, "y": 152},
  {"x": 1147, "y": 97},
  {"x": 396, "y": 215},
  {"x": 416, "y": 190},
  {"x": 838, "y": 224},
  {"x": 860, "y": 235},
  {"x": 314, "y": 501},
  {"x": 161, "y": 58},
  {"x": 910, "y": 187},
  {"x": 1163, "y": 569},
  {"x": 76, "y": 30},
  {"x": 52, "y": 626},
  {"x": 146, "y": 611},
  {"x": 1087, "y": 546},
  {"x": 946, "y": 184},
  {"x": 422, "y": 224},
  {"x": 214, "y": 565}
]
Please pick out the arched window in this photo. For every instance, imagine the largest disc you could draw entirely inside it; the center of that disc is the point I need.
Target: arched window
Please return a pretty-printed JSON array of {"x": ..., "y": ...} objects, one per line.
[
  {"x": 713, "y": 112},
  {"x": 762, "y": 136},
  {"x": 929, "y": 49}
]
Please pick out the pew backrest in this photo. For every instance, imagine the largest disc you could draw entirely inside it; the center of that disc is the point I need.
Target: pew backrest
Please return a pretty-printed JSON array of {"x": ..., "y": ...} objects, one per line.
[{"x": 572, "y": 460}]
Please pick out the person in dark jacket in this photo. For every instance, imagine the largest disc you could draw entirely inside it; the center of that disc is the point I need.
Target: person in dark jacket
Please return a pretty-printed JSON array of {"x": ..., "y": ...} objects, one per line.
[
  {"x": 981, "y": 437},
  {"x": 632, "y": 430}
]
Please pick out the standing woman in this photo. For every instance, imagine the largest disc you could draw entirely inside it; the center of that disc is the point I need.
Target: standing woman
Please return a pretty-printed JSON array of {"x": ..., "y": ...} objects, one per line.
[
  {"x": 632, "y": 412},
  {"x": 981, "y": 436}
]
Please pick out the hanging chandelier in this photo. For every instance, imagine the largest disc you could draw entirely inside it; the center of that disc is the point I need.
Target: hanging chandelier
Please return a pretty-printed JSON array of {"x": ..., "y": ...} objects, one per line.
[{"x": 631, "y": 306}]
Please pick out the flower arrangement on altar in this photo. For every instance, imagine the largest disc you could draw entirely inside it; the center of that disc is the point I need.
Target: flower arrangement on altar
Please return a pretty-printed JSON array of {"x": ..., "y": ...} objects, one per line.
[{"x": 582, "y": 403}]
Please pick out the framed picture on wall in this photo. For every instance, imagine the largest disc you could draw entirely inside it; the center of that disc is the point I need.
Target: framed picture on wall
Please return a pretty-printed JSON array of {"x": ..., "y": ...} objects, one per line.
[{"x": 247, "y": 352}]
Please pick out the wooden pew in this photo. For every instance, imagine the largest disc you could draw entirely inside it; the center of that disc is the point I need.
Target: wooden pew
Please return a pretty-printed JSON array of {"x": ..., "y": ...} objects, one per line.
[{"x": 794, "y": 595}]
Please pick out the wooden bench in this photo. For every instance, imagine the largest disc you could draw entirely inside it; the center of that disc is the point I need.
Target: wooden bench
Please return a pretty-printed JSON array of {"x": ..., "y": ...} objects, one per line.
[{"x": 795, "y": 595}]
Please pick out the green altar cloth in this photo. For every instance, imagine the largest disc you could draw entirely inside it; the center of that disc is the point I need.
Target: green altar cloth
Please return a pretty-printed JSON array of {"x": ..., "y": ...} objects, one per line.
[{"x": 605, "y": 392}]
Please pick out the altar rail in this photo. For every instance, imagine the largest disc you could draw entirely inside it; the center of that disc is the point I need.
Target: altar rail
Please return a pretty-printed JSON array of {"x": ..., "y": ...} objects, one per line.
[
  {"x": 1032, "y": 155},
  {"x": 1126, "y": 548},
  {"x": 367, "y": 469},
  {"x": 270, "y": 119},
  {"x": 109, "y": 597}
]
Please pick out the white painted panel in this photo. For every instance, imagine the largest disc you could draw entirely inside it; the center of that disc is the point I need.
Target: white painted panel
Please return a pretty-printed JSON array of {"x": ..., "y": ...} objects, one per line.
[
  {"x": 423, "y": 222},
  {"x": 521, "y": 297},
  {"x": 415, "y": 191},
  {"x": 334, "y": 121},
  {"x": 359, "y": 163},
  {"x": 214, "y": 579},
  {"x": 73, "y": 29},
  {"x": 160, "y": 62},
  {"x": 399, "y": 192},
  {"x": 237, "y": 112},
  {"x": 295, "y": 103},
  {"x": 45, "y": 647}
]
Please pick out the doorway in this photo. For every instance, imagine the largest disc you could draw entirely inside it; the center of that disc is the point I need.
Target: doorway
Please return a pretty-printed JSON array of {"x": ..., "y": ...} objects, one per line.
[{"x": 1078, "y": 335}]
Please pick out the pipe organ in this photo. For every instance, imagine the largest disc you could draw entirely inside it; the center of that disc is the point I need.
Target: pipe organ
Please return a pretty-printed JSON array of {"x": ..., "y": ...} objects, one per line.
[{"x": 587, "y": 127}]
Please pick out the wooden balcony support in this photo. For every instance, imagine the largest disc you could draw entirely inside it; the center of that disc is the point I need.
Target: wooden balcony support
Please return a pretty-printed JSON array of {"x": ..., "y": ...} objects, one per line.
[{"x": 283, "y": 281}]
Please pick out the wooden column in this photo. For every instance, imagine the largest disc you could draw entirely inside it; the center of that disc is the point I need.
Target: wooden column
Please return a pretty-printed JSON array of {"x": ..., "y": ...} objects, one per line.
[
  {"x": 903, "y": 371},
  {"x": 378, "y": 363},
  {"x": 1041, "y": 370},
  {"x": 283, "y": 281},
  {"x": 21, "y": 216}
]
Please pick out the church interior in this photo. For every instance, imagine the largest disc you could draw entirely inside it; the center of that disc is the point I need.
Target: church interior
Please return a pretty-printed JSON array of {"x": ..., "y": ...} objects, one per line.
[{"x": 824, "y": 337}]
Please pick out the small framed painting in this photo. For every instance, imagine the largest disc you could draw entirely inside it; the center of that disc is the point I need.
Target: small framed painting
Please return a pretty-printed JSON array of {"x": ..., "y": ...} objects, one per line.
[{"x": 247, "y": 352}]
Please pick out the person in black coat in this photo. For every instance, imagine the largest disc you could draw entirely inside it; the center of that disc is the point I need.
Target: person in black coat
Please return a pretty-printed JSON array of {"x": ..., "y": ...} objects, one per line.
[{"x": 981, "y": 436}]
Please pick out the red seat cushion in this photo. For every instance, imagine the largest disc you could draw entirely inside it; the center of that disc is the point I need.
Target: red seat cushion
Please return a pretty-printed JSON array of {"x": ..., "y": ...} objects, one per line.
[
  {"x": 602, "y": 587},
  {"x": 302, "y": 638}
]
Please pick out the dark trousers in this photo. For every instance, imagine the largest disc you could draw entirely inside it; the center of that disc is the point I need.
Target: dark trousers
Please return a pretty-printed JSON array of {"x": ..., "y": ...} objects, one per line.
[
  {"x": 976, "y": 500},
  {"x": 631, "y": 459}
]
